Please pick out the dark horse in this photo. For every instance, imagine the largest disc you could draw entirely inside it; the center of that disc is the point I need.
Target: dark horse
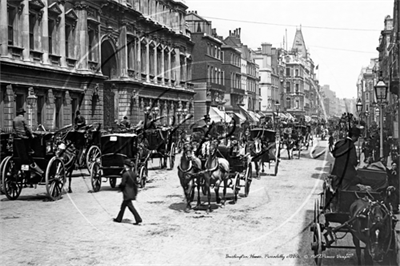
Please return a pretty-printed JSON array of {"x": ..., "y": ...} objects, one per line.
[
  {"x": 372, "y": 224},
  {"x": 188, "y": 170},
  {"x": 260, "y": 153}
]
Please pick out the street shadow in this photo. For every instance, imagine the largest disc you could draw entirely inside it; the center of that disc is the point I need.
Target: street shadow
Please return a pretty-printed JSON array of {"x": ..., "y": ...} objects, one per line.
[{"x": 37, "y": 197}]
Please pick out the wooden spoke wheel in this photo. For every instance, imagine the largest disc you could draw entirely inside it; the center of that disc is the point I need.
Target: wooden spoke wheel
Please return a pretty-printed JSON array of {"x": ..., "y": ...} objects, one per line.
[
  {"x": 316, "y": 245},
  {"x": 11, "y": 179},
  {"x": 1, "y": 175},
  {"x": 113, "y": 182},
  {"x": 95, "y": 177},
  {"x": 247, "y": 179},
  {"x": 92, "y": 154},
  {"x": 171, "y": 157},
  {"x": 143, "y": 172},
  {"x": 236, "y": 187},
  {"x": 55, "y": 178}
]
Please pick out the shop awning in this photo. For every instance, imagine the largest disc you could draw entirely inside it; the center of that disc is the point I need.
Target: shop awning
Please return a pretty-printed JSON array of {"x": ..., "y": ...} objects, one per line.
[
  {"x": 240, "y": 117},
  {"x": 217, "y": 115},
  {"x": 247, "y": 115},
  {"x": 253, "y": 115}
]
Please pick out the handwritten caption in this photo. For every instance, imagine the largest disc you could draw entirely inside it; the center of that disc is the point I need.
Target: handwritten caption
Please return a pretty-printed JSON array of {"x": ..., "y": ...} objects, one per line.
[{"x": 288, "y": 256}]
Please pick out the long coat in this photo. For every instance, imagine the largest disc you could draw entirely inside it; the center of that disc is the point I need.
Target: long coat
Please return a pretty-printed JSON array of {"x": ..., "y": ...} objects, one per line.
[
  {"x": 345, "y": 164},
  {"x": 129, "y": 185}
]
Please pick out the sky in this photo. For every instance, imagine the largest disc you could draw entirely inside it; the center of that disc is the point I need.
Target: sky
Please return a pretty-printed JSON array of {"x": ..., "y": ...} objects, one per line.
[{"x": 341, "y": 36}]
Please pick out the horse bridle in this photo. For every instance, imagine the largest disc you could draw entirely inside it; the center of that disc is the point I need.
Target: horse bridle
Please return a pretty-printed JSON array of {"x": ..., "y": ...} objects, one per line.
[{"x": 373, "y": 224}]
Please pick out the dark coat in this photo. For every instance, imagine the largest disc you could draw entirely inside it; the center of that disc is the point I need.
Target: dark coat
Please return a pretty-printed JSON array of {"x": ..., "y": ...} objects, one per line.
[
  {"x": 345, "y": 164},
  {"x": 129, "y": 185},
  {"x": 21, "y": 129}
]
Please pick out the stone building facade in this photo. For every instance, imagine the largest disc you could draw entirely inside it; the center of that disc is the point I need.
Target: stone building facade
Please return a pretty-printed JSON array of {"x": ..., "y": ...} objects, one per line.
[{"x": 105, "y": 58}]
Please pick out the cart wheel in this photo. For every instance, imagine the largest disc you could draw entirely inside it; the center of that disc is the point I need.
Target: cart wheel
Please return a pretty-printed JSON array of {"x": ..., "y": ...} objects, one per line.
[
  {"x": 11, "y": 184},
  {"x": 316, "y": 245},
  {"x": 95, "y": 177},
  {"x": 236, "y": 187},
  {"x": 113, "y": 182},
  {"x": 92, "y": 154},
  {"x": 171, "y": 157},
  {"x": 247, "y": 180},
  {"x": 143, "y": 176},
  {"x": 55, "y": 178},
  {"x": 1, "y": 176}
]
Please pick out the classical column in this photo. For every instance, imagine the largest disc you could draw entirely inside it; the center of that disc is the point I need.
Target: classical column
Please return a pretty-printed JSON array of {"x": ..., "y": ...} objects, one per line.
[
  {"x": 25, "y": 31},
  {"x": 123, "y": 52},
  {"x": 155, "y": 64},
  {"x": 50, "y": 110},
  {"x": 45, "y": 33},
  {"x": 138, "y": 59},
  {"x": 63, "y": 60},
  {"x": 177, "y": 67},
  {"x": 162, "y": 67},
  {"x": 147, "y": 62},
  {"x": 3, "y": 29},
  {"x": 185, "y": 74},
  {"x": 169, "y": 68},
  {"x": 81, "y": 33}
]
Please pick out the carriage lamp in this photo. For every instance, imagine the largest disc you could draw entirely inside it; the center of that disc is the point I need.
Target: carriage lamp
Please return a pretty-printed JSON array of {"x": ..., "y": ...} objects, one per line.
[{"x": 359, "y": 106}]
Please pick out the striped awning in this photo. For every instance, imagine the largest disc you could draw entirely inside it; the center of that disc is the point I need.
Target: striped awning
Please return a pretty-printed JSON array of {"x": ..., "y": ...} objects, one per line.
[{"x": 217, "y": 115}]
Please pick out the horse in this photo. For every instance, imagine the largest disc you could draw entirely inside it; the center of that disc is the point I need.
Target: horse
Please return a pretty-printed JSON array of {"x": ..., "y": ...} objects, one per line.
[
  {"x": 216, "y": 170},
  {"x": 188, "y": 170},
  {"x": 371, "y": 224}
]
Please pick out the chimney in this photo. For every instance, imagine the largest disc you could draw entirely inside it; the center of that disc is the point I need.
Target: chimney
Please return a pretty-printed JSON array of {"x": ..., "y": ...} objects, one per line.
[
  {"x": 266, "y": 48},
  {"x": 239, "y": 32}
]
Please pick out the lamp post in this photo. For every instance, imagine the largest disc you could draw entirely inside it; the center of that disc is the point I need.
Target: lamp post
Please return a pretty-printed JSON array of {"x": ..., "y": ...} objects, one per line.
[
  {"x": 359, "y": 107},
  {"x": 381, "y": 96},
  {"x": 277, "y": 106}
]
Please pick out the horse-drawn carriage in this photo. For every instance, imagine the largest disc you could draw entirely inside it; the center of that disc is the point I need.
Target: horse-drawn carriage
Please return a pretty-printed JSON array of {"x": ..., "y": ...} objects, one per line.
[
  {"x": 363, "y": 211},
  {"x": 115, "y": 148},
  {"x": 264, "y": 148},
  {"x": 26, "y": 163},
  {"x": 161, "y": 144}
]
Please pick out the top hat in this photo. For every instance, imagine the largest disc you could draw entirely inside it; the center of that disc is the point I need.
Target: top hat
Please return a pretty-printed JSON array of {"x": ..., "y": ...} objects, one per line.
[
  {"x": 21, "y": 111},
  {"x": 355, "y": 132}
]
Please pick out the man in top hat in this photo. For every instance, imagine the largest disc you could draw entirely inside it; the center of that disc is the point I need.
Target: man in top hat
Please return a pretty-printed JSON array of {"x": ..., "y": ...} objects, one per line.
[
  {"x": 79, "y": 120},
  {"x": 21, "y": 129},
  {"x": 129, "y": 189},
  {"x": 125, "y": 123},
  {"x": 346, "y": 160}
]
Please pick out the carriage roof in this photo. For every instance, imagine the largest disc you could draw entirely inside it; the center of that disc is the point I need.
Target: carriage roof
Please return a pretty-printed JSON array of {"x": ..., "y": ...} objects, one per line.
[
  {"x": 124, "y": 143},
  {"x": 259, "y": 132}
]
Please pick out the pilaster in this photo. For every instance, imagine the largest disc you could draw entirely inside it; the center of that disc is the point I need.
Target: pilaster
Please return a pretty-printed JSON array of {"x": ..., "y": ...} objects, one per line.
[
  {"x": 123, "y": 52},
  {"x": 63, "y": 60},
  {"x": 45, "y": 33},
  {"x": 81, "y": 31},
  {"x": 25, "y": 31},
  {"x": 3, "y": 29}
]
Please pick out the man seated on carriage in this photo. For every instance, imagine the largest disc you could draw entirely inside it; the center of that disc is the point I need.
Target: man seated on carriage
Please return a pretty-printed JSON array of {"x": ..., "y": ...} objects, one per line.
[{"x": 80, "y": 121}]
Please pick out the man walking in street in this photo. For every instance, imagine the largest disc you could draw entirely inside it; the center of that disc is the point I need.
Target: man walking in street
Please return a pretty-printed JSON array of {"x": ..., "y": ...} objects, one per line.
[{"x": 129, "y": 189}]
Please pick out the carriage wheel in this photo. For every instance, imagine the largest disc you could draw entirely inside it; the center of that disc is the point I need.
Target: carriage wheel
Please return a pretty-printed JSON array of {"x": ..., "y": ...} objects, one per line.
[
  {"x": 95, "y": 177},
  {"x": 113, "y": 182},
  {"x": 92, "y": 154},
  {"x": 316, "y": 245},
  {"x": 1, "y": 176},
  {"x": 55, "y": 178},
  {"x": 11, "y": 185},
  {"x": 171, "y": 157},
  {"x": 236, "y": 187},
  {"x": 143, "y": 176},
  {"x": 247, "y": 180}
]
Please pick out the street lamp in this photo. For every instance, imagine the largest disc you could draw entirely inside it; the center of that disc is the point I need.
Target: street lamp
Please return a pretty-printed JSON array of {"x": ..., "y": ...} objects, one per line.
[
  {"x": 277, "y": 105},
  {"x": 381, "y": 95},
  {"x": 359, "y": 107}
]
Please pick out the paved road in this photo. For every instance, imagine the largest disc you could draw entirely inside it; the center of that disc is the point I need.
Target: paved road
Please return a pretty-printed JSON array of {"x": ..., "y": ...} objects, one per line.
[{"x": 269, "y": 227}]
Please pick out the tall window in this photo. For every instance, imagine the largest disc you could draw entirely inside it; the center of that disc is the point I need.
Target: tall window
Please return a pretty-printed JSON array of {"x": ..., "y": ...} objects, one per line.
[
  {"x": 143, "y": 57},
  {"x": 297, "y": 72},
  {"x": 58, "y": 112},
  {"x": 68, "y": 34},
  {"x": 51, "y": 33},
  {"x": 287, "y": 87},
  {"x": 19, "y": 101},
  {"x": 288, "y": 103},
  {"x": 40, "y": 107},
  {"x": 91, "y": 44},
  {"x": 11, "y": 19},
  {"x": 159, "y": 61},
  {"x": 151, "y": 59},
  {"x": 74, "y": 107},
  {"x": 297, "y": 88},
  {"x": 32, "y": 21},
  {"x": 288, "y": 71},
  {"x": 297, "y": 103}
]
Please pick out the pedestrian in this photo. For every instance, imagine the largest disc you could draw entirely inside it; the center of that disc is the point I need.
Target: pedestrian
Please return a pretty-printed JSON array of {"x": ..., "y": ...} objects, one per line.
[
  {"x": 79, "y": 120},
  {"x": 129, "y": 189},
  {"x": 346, "y": 160}
]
